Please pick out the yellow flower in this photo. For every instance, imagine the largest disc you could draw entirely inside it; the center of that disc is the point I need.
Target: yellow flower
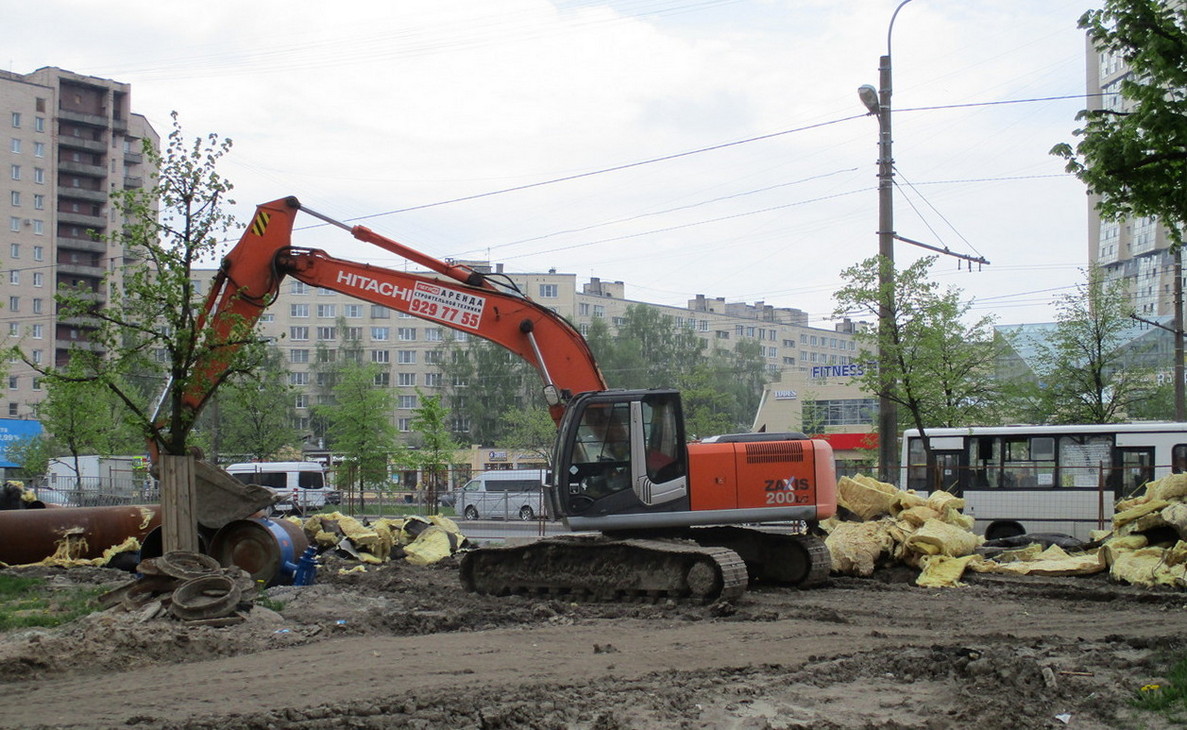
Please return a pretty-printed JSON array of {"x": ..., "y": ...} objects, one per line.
[{"x": 1151, "y": 687}]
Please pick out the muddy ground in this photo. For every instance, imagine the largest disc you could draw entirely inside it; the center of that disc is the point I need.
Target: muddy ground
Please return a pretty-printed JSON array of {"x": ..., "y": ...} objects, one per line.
[{"x": 404, "y": 647}]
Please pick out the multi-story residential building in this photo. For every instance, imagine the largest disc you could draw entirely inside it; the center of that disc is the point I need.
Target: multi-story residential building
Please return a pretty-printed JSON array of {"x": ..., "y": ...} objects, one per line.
[
  {"x": 307, "y": 322},
  {"x": 69, "y": 141},
  {"x": 1136, "y": 250}
]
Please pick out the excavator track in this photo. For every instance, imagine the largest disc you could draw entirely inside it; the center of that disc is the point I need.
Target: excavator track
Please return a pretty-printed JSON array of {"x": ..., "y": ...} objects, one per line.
[
  {"x": 597, "y": 568},
  {"x": 771, "y": 555}
]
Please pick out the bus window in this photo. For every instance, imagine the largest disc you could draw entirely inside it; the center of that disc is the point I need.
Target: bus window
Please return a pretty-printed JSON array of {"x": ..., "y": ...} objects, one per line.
[
  {"x": 1029, "y": 463},
  {"x": 985, "y": 460},
  {"x": 917, "y": 466},
  {"x": 1178, "y": 458}
]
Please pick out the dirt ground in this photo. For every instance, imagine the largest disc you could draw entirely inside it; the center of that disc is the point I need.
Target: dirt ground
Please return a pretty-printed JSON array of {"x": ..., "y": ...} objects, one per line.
[{"x": 404, "y": 647}]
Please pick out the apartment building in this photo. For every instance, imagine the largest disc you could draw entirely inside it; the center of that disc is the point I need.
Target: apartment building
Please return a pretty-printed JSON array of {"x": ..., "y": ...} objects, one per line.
[
  {"x": 68, "y": 141},
  {"x": 309, "y": 323},
  {"x": 1136, "y": 250}
]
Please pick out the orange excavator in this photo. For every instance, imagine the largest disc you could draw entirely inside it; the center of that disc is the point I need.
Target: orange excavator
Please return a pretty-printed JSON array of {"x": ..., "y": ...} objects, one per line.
[{"x": 652, "y": 515}]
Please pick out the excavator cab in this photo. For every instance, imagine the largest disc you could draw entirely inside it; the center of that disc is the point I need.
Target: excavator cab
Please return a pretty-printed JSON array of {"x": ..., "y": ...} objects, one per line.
[{"x": 620, "y": 453}]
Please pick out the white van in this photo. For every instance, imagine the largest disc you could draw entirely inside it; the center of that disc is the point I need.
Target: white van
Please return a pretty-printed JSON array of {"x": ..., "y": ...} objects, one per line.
[
  {"x": 504, "y": 495},
  {"x": 301, "y": 484}
]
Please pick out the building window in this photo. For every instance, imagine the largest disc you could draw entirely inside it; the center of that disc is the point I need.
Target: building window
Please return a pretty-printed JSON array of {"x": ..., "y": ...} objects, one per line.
[
  {"x": 379, "y": 334},
  {"x": 353, "y": 311},
  {"x": 38, "y": 252},
  {"x": 15, "y": 198},
  {"x": 383, "y": 380},
  {"x": 13, "y": 411},
  {"x": 327, "y": 355},
  {"x": 39, "y": 149},
  {"x": 14, "y": 250},
  {"x": 326, "y": 334},
  {"x": 406, "y": 334},
  {"x": 299, "y": 287},
  {"x": 599, "y": 311},
  {"x": 302, "y": 400},
  {"x": 16, "y": 172},
  {"x": 407, "y": 380},
  {"x": 36, "y": 357},
  {"x": 433, "y": 357},
  {"x": 378, "y": 311},
  {"x": 299, "y": 310},
  {"x": 14, "y": 277},
  {"x": 38, "y": 175},
  {"x": 404, "y": 425},
  {"x": 352, "y": 333},
  {"x": 380, "y": 356},
  {"x": 548, "y": 291},
  {"x": 38, "y": 331},
  {"x": 406, "y": 357},
  {"x": 298, "y": 333},
  {"x": 299, "y": 378},
  {"x": 13, "y": 382},
  {"x": 326, "y": 311},
  {"x": 16, "y": 120},
  {"x": 38, "y": 227},
  {"x": 432, "y": 334},
  {"x": 14, "y": 224},
  {"x": 15, "y": 146},
  {"x": 14, "y": 329},
  {"x": 14, "y": 304},
  {"x": 298, "y": 356},
  {"x": 433, "y": 380},
  {"x": 407, "y": 401},
  {"x": 583, "y": 309},
  {"x": 38, "y": 202},
  {"x": 39, "y": 124},
  {"x": 37, "y": 305}
]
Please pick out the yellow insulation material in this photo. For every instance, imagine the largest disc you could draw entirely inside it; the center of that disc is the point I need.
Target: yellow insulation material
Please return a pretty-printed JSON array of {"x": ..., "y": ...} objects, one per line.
[
  {"x": 1139, "y": 510},
  {"x": 433, "y": 544},
  {"x": 942, "y": 571},
  {"x": 1169, "y": 487},
  {"x": 1148, "y": 566},
  {"x": 1052, "y": 561},
  {"x": 867, "y": 498},
  {"x": 937, "y": 537},
  {"x": 855, "y": 547}
]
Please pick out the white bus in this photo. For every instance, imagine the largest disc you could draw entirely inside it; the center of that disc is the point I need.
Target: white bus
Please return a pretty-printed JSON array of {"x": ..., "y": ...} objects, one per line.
[{"x": 1043, "y": 479}]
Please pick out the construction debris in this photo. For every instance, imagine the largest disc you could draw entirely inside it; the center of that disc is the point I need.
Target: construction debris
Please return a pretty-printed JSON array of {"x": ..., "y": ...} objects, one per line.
[
  {"x": 418, "y": 540},
  {"x": 187, "y": 586},
  {"x": 1147, "y": 545}
]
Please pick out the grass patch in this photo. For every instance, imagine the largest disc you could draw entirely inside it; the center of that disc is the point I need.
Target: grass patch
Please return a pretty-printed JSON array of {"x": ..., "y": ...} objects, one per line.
[
  {"x": 1170, "y": 698},
  {"x": 31, "y": 602}
]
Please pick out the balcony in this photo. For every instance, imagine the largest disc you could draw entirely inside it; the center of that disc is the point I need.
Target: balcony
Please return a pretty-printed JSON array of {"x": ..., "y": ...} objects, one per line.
[
  {"x": 81, "y": 244},
  {"x": 134, "y": 158},
  {"x": 97, "y": 222},
  {"x": 81, "y": 270},
  {"x": 95, "y": 196},
  {"x": 79, "y": 168},
  {"x": 81, "y": 143},
  {"x": 93, "y": 120},
  {"x": 133, "y": 182}
]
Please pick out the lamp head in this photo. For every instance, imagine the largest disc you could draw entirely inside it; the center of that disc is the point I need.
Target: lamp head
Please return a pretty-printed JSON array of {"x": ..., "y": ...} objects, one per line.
[{"x": 869, "y": 96}]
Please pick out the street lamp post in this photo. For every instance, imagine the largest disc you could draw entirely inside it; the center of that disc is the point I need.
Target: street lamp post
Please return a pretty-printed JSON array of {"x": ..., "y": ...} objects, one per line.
[{"x": 878, "y": 102}]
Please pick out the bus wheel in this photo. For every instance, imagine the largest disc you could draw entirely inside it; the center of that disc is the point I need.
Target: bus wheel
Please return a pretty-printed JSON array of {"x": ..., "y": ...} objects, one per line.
[{"x": 998, "y": 530}]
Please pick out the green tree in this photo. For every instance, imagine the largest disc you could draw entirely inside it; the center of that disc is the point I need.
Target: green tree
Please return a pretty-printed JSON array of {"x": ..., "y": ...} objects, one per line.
[
  {"x": 148, "y": 327},
  {"x": 528, "y": 430},
  {"x": 483, "y": 381},
  {"x": 32, "y": 455},
  {"x": 359, "y": 426},
  {"x": 1083, "y": 372},
  {"x": 1134, "y": 153},
  {"x": 939, "y": 367},
  {"x": 252, "y": 415},
  {"x": 85, "y": 417},
  {"x": 436, "y": 446}
]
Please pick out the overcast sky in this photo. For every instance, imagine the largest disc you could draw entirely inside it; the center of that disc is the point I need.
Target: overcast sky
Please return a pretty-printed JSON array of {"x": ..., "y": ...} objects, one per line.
[{"x": 367, "y": 108}]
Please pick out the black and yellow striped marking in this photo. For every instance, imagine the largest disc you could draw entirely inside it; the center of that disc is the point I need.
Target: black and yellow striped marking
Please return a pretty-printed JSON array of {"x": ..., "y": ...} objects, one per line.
[{"x": 260, "y": 224}]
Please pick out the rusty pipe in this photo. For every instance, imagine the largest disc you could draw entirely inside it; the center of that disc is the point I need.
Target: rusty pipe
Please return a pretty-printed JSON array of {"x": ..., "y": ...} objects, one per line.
[{"x": 31, "y": 535}]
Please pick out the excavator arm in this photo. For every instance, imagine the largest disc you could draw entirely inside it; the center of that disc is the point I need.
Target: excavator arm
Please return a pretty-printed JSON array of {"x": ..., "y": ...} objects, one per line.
[{"x": 458, "y": 297}]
